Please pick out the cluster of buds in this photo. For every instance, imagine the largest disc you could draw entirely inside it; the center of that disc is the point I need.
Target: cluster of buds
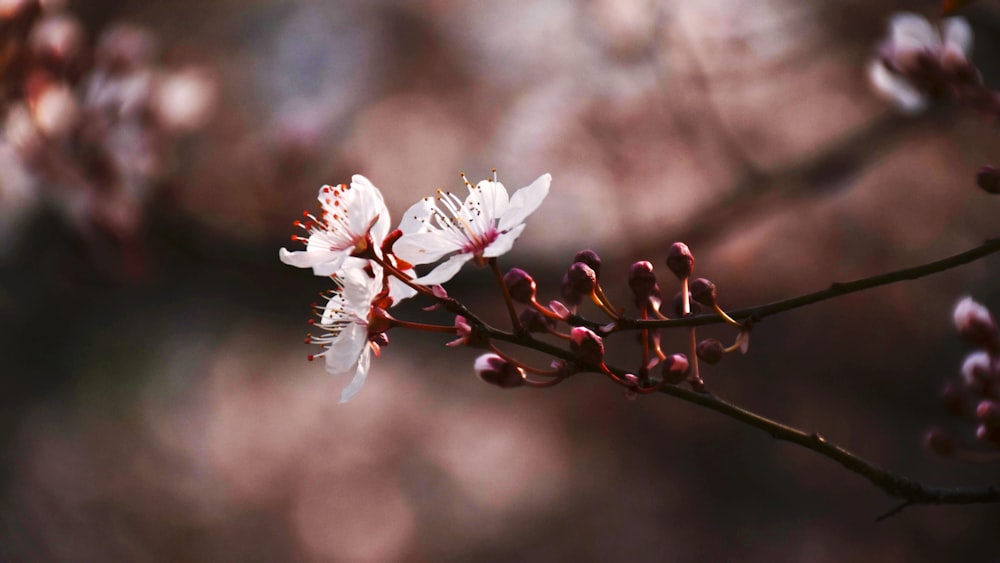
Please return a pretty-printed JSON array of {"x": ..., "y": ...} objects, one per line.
[
  {"x": 373, "y": 269},
  {"x": 90, "y": 127},
  {"x": 976, "y": 393}
]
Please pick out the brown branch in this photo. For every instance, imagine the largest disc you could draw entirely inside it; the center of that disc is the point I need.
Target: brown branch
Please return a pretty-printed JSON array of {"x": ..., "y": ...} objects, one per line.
[
  {"x": 910, "y": 491},
  {"x": 837, "y": 289}
]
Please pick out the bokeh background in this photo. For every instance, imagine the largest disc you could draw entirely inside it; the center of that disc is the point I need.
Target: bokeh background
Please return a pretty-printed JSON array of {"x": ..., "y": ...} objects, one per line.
[{"x": 157, "y": 404}]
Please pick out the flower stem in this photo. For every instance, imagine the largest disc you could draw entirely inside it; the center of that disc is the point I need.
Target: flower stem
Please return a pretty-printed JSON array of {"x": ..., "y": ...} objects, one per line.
[{"x": 515, "y": 322}]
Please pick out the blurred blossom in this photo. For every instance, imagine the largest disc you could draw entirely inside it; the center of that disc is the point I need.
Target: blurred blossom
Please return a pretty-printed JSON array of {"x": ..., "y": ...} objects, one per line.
[
  {"x": 184, "y": 99},
  {"x": 918, "y": 63}
]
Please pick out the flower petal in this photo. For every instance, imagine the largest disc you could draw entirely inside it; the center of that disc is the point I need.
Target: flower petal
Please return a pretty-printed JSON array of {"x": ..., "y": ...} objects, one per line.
[
  {"x": 910, "y": 31},
  {"x": 399, "y": 291},
  {"x": 504, "y": 242},
  {"x": 494, "y": 198},
  {"x": 373, "y": 205},
  {"x": 907, "y": 98},
  {"x": 416, "y": 217},
  {"x": 423, "y": 248},
  {"x": 345, "y": 349},
  {"x": 360, "y": 374},
  {"x": 957, "y": 33},
  {"x": 445, "y": 271},
  {"x": 525, "y": 201},
  {"x": 323, "y": 262}
]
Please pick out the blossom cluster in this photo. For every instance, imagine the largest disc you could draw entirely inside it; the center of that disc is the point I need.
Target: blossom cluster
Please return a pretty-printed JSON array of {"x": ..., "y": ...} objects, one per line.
[
  {"x": 975, "y": 395},
  {"x": 373, "y": 268},
  {"x": 88, "y": 126}
]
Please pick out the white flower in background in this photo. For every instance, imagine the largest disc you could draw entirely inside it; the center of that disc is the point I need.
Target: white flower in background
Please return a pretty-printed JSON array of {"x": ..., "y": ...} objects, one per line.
[
  {"x": 484, "y": 226},
  {"x": 354, "y": 219},
  {"x": 919, "y": 63},
  {"x": 350, "y": 337}
]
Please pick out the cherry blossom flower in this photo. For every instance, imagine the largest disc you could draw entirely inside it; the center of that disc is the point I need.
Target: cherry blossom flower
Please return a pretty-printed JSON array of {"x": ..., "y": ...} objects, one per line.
[
  {"x": 919, "y": 63},
  {"x": 484, "y": 226},
  {"x": 354, "y": 328},
  {"x": 354, "y": 220}
]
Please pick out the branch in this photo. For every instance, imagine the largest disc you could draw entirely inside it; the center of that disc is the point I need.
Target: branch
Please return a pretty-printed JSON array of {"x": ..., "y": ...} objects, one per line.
[
  {"x": 836, "y": 289},
  {"x": 897, "y": 486}
]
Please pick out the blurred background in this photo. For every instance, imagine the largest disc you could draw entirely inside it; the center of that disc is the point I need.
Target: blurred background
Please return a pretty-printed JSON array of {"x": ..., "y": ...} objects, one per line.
[{"x": 157, "y": 404}]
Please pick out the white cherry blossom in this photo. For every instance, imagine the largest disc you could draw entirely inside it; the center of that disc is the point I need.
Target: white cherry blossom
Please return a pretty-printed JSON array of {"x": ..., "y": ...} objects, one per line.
[
  {"x": 353, "y": 220},
  {"x": 484, "y": 226},
  {"x": 350, "y": 337}
]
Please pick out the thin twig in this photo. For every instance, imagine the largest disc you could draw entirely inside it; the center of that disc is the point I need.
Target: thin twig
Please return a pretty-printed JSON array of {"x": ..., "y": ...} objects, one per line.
[{"x": 836, "y": 289}]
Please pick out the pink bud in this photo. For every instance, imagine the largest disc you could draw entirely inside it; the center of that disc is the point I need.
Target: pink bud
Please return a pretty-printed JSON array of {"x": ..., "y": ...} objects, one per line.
[
  {"x": 495, "y": 370},
  {"x": 588, "y": 347},
  {"x": 975, "y": 323},
  {"x": 977, "y": 372}
]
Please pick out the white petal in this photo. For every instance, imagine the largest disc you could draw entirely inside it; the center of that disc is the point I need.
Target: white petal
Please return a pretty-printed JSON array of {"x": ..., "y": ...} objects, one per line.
[
  {"x": 424, "y": 248},
  {"x": 374, "y": 206},
  {"x": 504, "y": 242},
  {"x": 445, "y": 271},
  {"x": 958, "y": 33},
  {"x": 415, "y": 218},
  {"x": 323, "y": 262},
  {"x": 909, "y": 31},
  {"x": 909, "y": 99},
  {"x": 399, "y": 291},
  {"x": 346, "y": 348},
  {"x": 360, "y": 374},
  {"x": 494, "y": 199},
  {"x": 525, "y": 201}
]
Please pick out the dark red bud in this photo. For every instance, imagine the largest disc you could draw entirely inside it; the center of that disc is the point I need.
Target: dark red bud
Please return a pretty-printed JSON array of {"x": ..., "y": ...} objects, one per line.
[
  {"x": 703, "y": 291},
  {"x": 520, "y": 285},
  {"x": 677, "y": 306},
  {"x": 680, "y": 260},
  {"x": 587, "y": 346},
  {"x": 953, "y": 398},
  {"x": 533, "y": 321},
  {"x": 590, "y": 258},
  {"x": 988, "y": 412},
  {"x": 711, "y": 350},
  {"x": 939, "y": 442},
  {"x": 642, "y": 280},
  {"x": 581, "y": 278},
  {"x": 675, "y": 368},
  {"x": 495, "y": 370}
]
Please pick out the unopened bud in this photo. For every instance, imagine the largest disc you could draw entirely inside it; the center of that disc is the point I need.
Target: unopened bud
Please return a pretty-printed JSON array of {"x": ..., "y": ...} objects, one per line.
[
  {"x": 680, "y": 260},
  {"x": 468, "y": 335},
  {"x": 953, "y": 398},
  {"x": 642, "y": 280},
  {"x": 977, "y": 371},
  {"x": 975, "y": 324},
  {"x": 520, "y": 285},
  {"x": 703, "y": 291},
  {"x": 533, "y": 321},
  {"x": 495, "y": 370},
  {"x": 988, "y": 435},
  {"x": 59, "y": 38},
  {"x": 988, "y": 412},
  {"x": 711, "y": 350},
  {"x": 580, "y": 278},
  {"x": 590, "y": 258},
  {"x": 588, "y": 347},
  {"x": 988, "y": 179},
  {"x": 675, "y": 368},
  {"x": 939, "y": 442}
]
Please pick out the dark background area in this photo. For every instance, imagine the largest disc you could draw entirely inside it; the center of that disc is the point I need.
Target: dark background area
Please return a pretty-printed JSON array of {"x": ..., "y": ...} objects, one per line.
[{"x": 157, "y": 404}]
